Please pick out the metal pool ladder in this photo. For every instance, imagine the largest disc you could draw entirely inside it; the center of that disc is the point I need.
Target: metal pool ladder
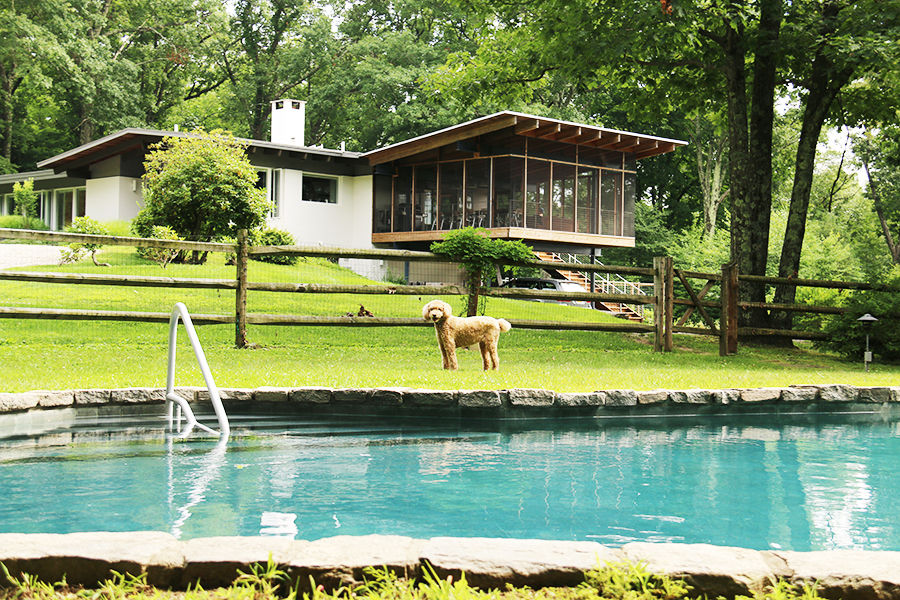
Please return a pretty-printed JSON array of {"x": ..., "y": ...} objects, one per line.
[{"x": 180, "y": 312}]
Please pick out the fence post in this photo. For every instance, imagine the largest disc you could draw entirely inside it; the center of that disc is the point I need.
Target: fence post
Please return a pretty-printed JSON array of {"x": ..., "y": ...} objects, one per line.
[
  {"x": 240, "y": 305},
  {"x": 659, "y": 303},
  {"x": 668, "y": 265},
  {"x": 728, "y": 338}
]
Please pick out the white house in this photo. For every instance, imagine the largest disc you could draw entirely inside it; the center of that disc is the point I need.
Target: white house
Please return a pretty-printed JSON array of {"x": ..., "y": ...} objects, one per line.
[{"x": 555, "y": 184}]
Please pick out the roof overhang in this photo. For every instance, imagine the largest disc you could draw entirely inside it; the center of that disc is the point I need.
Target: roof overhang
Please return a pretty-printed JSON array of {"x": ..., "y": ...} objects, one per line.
[
  {"x": 641, "y": 145},
  {"x": 126, "y": 139}
]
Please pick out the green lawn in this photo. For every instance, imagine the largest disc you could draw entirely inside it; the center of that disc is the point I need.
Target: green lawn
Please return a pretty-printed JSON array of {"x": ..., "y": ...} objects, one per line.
[{"x": 47, "y": 354}]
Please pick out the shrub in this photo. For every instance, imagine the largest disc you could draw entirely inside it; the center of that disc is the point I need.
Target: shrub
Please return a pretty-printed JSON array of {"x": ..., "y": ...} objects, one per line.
[
  {"x": 161, "y": 256},
  {"x": 203, "y": 187},
  {"x": 479, "y": 254},
  {"x": 846, "y": 336},
  {"x": 20, "y": 222},
  {"x": 75, "y": 251},
  {"x": 273, "y": 237}
]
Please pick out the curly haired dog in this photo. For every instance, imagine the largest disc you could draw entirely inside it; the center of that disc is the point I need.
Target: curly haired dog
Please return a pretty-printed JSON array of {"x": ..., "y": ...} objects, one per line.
[{"x": 462, "y": 332}]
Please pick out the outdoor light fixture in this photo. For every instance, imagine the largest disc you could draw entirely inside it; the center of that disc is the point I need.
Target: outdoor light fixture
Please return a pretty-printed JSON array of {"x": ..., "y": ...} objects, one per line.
[{"x": 867, "y": 321}]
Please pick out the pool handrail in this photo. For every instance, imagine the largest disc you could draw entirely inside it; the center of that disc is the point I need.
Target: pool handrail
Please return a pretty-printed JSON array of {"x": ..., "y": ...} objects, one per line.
[{"x": 180, "y": 311}]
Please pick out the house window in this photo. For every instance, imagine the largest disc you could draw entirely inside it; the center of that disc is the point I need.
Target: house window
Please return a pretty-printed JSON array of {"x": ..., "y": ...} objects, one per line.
[
  {"x": 68, "y": 204},
  {"x": 319, "y": 189},
  {"x": 7, "y": 205},
  {"x": 270, "y": 180}
]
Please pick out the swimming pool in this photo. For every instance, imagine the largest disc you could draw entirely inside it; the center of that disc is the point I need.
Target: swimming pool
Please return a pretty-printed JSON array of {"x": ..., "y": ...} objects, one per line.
[{"x": 763, "y": 481}]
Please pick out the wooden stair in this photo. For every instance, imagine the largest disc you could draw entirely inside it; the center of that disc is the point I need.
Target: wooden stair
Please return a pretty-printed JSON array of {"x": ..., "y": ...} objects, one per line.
[{"x": 618, "y": 309}]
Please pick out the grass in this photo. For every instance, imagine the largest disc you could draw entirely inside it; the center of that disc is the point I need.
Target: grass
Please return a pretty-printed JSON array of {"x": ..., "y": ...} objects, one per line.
[
  {"x": 618, "y": 581},
  {"x": 47, "y": 354}
]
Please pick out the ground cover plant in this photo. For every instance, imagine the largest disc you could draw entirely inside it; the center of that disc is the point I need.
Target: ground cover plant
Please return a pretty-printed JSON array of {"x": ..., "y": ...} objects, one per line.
[
  {"x": 52, "y": 354},
  {"x": 613, "y": 581}
]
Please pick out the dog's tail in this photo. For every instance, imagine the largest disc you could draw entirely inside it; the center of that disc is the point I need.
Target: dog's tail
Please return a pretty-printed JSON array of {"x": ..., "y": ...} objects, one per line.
[{"x": 504, "y": 324}]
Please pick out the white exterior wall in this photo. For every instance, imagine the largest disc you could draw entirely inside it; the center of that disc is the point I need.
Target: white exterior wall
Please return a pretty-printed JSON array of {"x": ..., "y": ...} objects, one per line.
[
  {"x": 113, "y": 198},
  {"x": 347, "y": 223}
]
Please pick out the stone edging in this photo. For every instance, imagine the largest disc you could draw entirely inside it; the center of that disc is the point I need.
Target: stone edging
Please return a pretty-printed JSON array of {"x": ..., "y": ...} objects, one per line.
[
  {"x": 88, "y": 558},
  {"x": 513, "y": 401}
]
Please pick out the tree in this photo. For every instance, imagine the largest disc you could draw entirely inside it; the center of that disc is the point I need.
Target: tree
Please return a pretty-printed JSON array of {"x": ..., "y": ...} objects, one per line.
[
  {"x": 29, "y": 49},
  {"x": 203, "y": 187},
  {"x": 880, "y": 157},
  {"x": 479, "y": 255},
  {"x": 25, "y": 198},
  {"x": 684, "y": 55}
]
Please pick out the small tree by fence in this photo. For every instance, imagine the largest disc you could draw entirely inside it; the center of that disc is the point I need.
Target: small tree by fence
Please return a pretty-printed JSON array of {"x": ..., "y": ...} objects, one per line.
[{"x": 663, "y": 274}]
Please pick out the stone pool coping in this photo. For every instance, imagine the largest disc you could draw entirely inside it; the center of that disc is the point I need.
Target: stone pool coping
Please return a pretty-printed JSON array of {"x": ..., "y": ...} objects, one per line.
[
  {"x": 89, "y": 558},
  {"x": 499, "y": 403}
]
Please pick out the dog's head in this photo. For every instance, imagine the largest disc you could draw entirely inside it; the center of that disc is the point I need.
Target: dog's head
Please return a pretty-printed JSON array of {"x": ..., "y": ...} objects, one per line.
[{"x": 436, "y": 311}]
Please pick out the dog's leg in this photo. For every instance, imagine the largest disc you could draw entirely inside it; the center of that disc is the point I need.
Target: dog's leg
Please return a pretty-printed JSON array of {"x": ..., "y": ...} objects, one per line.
[
  {"x": 485, "y": 354},
  {"x": 495, "y": 357},
  {"x": 452, "y": 362}
]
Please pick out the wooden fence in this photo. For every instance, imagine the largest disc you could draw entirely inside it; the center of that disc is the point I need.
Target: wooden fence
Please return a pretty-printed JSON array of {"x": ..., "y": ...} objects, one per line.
[{"x": 663, "y": 299}]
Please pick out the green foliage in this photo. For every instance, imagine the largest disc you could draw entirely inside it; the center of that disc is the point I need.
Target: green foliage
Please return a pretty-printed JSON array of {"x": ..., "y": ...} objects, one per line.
[
  {"x": 161, "y": 256},
  {"x": 632, "y": 581},
  {"x": 85, "y": 225},
  {"x": 847, "y": 336},
  {"x": 273, "y": 237},
  {"x": 25, "y": 198},
  {"x": 20, "y": 222},
  {"x": 478, "y": 254},
  {"x": 782, "y": 590},
  {"x": 202, "y": 186}
]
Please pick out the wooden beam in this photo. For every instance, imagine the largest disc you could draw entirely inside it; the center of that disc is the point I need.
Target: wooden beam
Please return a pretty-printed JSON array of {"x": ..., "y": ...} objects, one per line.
[
  {"x": 662, "y": 148},
  {"x": 627, "y": 142},
  {"x": 606, "y": 140},
  {"x": 525, "y": 125},
  {"x": 430, "y": 142},
  {"x": 569, "y": 136}
]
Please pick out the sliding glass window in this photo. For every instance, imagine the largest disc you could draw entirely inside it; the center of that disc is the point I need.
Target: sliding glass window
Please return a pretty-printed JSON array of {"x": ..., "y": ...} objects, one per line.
[
  {"x": 563, "y": 197},
  {"x": 383, "y": 184},
  {"x": 426, "y": 197},
  {"x": 509, "y": 173},
  {"x": 537, "y": 195},
  {"x": 588, "y": 190},
  {"x": 628, "y": 204},
  {"x": 478, "y": 187},
  {"x": 610, "y": 183},
  {"x": 403, "y": 201},
  {"x": 451, "y": 195}
]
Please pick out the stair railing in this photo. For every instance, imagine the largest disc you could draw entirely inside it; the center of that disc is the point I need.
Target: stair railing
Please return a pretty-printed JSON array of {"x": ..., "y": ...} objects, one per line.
[
  {"x": 606, "y": 281},
  {"x": 180, "y": 312}
]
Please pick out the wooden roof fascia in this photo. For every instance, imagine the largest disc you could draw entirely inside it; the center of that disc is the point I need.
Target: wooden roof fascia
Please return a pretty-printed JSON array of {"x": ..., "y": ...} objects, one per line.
[{"x": 438, "y": 140}]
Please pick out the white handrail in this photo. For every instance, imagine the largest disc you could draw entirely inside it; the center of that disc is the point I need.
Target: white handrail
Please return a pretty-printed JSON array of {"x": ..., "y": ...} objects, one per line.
[{"x": 180, "y": 312}]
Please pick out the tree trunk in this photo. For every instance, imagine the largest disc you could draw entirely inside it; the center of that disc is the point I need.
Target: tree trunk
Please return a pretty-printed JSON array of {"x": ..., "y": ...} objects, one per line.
[
  {"x": 759, "y": 153},
  {"x": 6, "y": 113},
  {"x": 893, "y": 247},
  {"x": 824, "y": 86}
]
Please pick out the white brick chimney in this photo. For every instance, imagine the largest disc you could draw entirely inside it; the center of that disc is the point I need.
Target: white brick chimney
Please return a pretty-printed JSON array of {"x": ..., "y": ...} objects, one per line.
[{"x": 288, "y": 122}]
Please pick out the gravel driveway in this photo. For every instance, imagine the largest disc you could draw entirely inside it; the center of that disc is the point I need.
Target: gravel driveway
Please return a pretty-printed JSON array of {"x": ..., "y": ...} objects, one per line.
[{"x": 23, "y": 255}]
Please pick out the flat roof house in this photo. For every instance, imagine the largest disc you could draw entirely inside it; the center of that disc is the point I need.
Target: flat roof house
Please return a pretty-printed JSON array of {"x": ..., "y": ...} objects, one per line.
[{"x": 555, "y": 184}]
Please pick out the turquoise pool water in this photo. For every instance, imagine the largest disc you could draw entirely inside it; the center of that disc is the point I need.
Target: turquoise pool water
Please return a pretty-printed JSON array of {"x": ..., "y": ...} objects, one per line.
[{"x": 759, "y": 482}]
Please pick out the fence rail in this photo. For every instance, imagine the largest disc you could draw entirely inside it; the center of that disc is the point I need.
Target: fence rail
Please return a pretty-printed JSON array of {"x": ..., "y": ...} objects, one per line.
[{"x": 663, "y": 298}]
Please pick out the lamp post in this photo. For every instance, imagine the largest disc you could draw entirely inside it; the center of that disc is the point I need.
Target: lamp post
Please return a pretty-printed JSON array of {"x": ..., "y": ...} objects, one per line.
[{"x": 867, "y": 321}]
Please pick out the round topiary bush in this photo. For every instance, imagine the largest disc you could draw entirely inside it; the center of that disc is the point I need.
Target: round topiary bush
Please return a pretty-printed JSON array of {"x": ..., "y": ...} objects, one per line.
[{"x": 273, "y": 237}]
